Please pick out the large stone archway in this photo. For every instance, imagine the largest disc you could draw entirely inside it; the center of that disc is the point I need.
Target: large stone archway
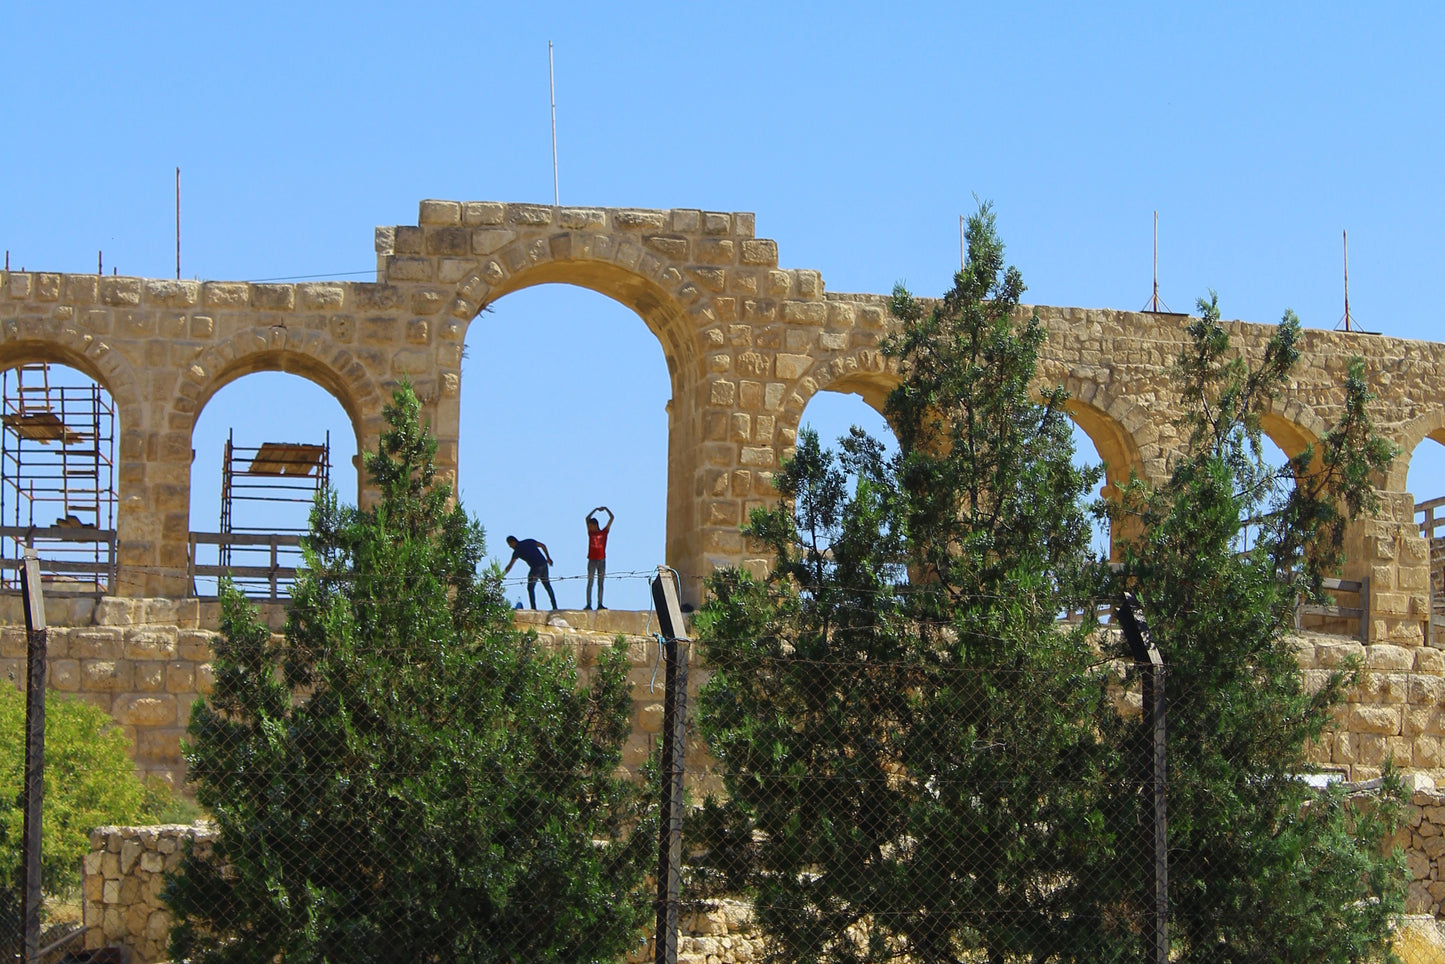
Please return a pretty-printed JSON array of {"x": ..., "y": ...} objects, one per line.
[{"x": 746, "y": 342}]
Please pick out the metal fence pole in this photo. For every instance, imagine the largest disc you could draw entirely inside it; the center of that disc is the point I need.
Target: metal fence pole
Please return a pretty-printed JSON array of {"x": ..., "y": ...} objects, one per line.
[
  {"x": 33, "y": 791},
  {"x": 674, "y": 743},
  {"x": 1150, "y": 663}
]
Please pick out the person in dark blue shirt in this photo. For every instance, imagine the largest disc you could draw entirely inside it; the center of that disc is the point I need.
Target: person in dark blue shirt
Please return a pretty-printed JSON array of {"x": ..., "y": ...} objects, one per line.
[{"x": 537, "y": 558}]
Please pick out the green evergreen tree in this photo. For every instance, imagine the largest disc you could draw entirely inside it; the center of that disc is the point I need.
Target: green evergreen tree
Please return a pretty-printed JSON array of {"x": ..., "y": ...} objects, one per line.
[
  {"x": 404, "y": 776},
  {"x": 922, "y": 764},
  {"x": 1263, "y": 867},
  {"x": 913, "y": 748}
]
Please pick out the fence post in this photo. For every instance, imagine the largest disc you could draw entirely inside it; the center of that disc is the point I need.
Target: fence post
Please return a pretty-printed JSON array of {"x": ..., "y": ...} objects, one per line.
[
  {"x": 674, "y": 744},
  {"x": 33, "y": 790},
  {"x": 1151, "y": 670}
]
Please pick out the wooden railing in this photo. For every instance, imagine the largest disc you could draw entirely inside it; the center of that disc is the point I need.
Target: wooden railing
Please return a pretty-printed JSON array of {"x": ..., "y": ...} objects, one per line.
[
  {"x": 1431, "y": 519},
  {"x": 271, "y": 579},
  {"x": 1360, "y": 613},
  {"x": 74, "y": 560}
]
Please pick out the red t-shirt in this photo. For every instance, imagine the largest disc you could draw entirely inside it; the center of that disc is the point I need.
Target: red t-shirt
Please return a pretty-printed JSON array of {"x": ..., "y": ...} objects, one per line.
[{"x": 597, "y": 544}]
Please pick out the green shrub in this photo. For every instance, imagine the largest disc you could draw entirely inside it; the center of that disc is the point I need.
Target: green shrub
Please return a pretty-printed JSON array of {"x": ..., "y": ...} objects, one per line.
[{"x": 90, "y": 781}]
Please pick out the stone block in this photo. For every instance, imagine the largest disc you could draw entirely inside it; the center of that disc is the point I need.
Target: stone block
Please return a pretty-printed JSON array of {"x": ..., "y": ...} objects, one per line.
[
  {"x": 715, "y": 251},
  {"x": 761, "y": 456},
  {"x": 1336, "y": 655},
  {"x": 1390, "y": 603},
  {"x": 195, "y": 645},
  {"x": 150, "y": 710},
  {"x": 64, "y": 675},
  {"x": 533, "y": 214},
  {"x": 1426, "y": 691},
  {"x": 483, "y": 212},
  {"x": 760, "y": 252},
  {"x": 789, "y": 366},
  {"x": 671, "y": 245},
  {"x": 805, "y": 312},
  {"x": 172, "y": 294},
  {"x": 714, "y": 222},
  {"x": 320, "y": 296},
  {"x": 448, "y": 241},
  {"x": 409, "y": 269},
  {"x": 120, "y": 292},
  {"x": 439, "y": 212},
  {"x": 115, "y": 611},
  {"x": 107, "y": 675},
  {"x": 150, "y": 676},
  {"x": 1383, "y": 656}
]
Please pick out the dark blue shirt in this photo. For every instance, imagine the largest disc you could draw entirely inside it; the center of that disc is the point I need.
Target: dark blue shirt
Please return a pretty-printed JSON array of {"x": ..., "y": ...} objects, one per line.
[{"x": 530, "y": 552}]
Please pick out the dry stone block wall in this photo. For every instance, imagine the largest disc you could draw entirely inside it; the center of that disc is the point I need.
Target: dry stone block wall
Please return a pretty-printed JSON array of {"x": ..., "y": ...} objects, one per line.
[
  {"x": 124, "y": 874},
  {"x": 122, "y": 879},
  {"x": 1423, "y": 839}
]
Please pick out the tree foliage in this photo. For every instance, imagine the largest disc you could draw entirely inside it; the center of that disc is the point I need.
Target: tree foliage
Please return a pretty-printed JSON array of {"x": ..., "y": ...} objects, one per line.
[
  {"x": 893, "y": 704},
  {"x": 1263, "y": 867},
  {"x": 89, "y": 782},
  {"x": 403, "y": 775},
  {"x": 922, "y": 763}
]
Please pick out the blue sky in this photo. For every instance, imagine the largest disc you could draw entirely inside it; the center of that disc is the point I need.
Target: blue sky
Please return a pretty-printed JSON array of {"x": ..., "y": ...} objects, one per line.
[{"x": 857, "y": 133}]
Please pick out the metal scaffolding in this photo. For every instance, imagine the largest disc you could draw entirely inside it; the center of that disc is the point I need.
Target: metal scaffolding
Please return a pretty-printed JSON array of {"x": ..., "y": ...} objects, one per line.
[
  {"x": 57, "y": 480},
  {"x": 266, "y": 496}
]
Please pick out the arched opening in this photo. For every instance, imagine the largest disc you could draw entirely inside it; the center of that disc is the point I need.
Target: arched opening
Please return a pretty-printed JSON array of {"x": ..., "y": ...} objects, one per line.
[
  {"x": 565, "y": 407},
  {"x": 1099, "y": 439},
  {"x": 836, "y": 410},
  {"x": 1087, "y": 455},
  {"x": 833, "y": 413},
  {"x": 1277, "y": 447},
  {"x": 262, "y": 446},
  {"x": 58, "y": 478},
  {"x": 1425, "y": 481}
]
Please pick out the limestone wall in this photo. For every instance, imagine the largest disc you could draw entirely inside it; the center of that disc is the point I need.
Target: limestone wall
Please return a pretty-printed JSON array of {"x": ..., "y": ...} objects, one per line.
[
  {"x": 1423, "y": 840},
  {"x": 123, "y": 877},
  {"x": 1397, "y": 712},
  {"x": 145, "y": 661},
  {"x": 747, "y": 344}
]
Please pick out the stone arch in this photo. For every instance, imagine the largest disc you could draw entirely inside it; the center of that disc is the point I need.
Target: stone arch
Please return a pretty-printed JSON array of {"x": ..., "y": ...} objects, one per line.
[
  {"x": 1115, "y": 426},
  {"x": 91, "y": 357},
  {"x": 1115, "y": 444},
  {"x": 671, "y": 307},
  {"x": 1292, "y": 427},
  {"x": 337, "y": 371},
  {"x": 1429, "y": 425},
  {"x": 112, "y": 371},
  {"x": 865, "y": 372}
]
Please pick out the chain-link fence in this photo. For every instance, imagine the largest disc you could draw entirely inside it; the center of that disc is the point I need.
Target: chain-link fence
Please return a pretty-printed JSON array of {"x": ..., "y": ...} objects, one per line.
[{"x": 908, "y": 810}]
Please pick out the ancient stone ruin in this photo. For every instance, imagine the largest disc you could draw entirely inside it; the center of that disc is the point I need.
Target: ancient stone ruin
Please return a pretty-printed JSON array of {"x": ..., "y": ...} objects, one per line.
[{"x": 747, "y": 343}]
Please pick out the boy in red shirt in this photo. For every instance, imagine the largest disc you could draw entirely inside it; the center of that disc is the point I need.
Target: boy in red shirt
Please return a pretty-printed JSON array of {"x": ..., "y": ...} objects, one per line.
[{"x": 597, "y": 553}]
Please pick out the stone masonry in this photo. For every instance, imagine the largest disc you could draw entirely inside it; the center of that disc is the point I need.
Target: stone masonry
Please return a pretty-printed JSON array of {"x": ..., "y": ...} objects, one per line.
[
  {"x": 146, "y": 661},
  {"x": 747, "y": 344},
  {"x": 124, "y": 872}
]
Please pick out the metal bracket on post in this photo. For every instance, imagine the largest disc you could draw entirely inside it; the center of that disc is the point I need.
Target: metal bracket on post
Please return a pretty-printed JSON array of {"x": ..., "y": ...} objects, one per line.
[
  {"x": 33, "y": 790},
  {"x": 1150, "y": 664},
  {"x": 674, "y": 743}
]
